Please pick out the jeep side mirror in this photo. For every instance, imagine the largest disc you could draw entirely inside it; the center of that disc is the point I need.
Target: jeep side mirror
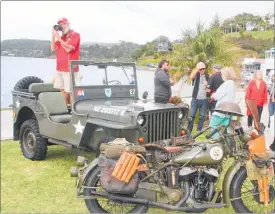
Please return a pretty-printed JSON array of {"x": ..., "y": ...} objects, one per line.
[{"x": 145, "y": 95}]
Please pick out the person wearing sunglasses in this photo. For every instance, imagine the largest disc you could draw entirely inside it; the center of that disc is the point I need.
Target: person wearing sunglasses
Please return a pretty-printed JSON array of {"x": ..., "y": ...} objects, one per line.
[{"x": 199, "y": 96}]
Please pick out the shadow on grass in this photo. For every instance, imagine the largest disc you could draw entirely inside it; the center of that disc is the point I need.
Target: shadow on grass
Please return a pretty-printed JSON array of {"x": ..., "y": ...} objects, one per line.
[{"x": 57, "y": 151}]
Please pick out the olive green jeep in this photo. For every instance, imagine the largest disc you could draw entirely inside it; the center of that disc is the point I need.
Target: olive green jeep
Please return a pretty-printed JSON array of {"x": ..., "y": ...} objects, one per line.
[{"x": 106, "y": 106}]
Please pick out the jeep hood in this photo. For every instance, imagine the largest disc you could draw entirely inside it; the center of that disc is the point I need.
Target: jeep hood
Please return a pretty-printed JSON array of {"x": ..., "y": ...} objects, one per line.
[{"x": 123, "y": 111}]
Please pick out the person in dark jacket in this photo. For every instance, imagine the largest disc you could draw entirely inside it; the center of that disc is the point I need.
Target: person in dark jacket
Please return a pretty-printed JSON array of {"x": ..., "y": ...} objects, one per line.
[
  {"x": 215, "y": 80},
  {"x": 199, "y": 95},
  {"x": 163, "y": 83}
]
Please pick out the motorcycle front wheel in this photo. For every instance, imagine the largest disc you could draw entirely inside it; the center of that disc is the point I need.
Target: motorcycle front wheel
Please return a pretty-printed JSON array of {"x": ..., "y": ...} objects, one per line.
[
  {"x": 104, "y": 205},
  {"x": 244, "y": 195}
]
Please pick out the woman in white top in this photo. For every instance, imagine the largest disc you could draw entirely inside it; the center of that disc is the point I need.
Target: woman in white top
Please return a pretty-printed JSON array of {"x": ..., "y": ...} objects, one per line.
[{"x": 226, "y": 92}]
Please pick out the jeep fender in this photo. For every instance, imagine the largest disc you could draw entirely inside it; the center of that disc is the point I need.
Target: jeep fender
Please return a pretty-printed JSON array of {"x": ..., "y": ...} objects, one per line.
[
  {"x": 232, "y": 170},
  {"x": 82, "y": 177}
]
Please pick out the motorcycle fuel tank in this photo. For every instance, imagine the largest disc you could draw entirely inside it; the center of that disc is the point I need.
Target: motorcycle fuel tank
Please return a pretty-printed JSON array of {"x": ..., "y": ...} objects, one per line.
[{"x": 202, "y": 154}]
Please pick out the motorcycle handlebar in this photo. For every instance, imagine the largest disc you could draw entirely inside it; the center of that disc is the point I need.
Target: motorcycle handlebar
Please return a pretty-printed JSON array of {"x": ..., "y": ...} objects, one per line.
[
  {"x": 214, "y": 131},
  {"x": 199, "y": 133}
]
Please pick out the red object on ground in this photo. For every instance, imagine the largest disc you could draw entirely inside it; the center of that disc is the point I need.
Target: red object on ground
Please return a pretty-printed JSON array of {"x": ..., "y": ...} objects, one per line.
[
  {"x": 62, "y": 56},
  {"x": 255, "y": 93}
]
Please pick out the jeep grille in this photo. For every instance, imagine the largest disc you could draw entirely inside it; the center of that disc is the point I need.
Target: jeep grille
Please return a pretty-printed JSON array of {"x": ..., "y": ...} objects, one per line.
[{"x": 162, "y": 125}]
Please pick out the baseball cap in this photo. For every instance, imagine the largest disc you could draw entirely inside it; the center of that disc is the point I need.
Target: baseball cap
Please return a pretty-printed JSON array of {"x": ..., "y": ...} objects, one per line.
[
  {"x": 64, "y": 20},
  {"x": 216, "y": 66},
  {"x": 200, "y": 65}
]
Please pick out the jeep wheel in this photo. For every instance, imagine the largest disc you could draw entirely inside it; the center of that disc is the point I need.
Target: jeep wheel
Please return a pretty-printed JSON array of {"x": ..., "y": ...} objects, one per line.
[
  {"x": 24, "y": 83},
  {"x": 33, "y": 145}
]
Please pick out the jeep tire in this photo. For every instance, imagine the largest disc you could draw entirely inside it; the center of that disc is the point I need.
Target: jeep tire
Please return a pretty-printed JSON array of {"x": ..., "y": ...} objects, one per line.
[
  {"x": 24, "y": 83},
  {"x": 33, "y": 145}
]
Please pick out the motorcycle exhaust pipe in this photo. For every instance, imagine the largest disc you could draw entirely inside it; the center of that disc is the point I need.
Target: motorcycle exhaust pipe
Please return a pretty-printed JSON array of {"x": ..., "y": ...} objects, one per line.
[{"x": 125, "y": 199}]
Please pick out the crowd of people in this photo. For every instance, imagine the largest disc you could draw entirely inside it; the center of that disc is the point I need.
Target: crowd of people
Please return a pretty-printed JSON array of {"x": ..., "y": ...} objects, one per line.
[{"x": 210, "y": 91}]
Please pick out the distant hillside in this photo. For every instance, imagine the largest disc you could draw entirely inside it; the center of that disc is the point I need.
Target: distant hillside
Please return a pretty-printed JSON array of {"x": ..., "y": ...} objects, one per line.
[
  {"x": 41, "y": 49},
  {"x": 258, "y": 41},
  {"x": 254, "y": 34}
]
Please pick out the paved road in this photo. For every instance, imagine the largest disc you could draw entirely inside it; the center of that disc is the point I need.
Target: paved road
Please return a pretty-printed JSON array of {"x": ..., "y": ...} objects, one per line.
[
  {"x": 7, "y": 128},
  {"x": 6, "y": 125}
]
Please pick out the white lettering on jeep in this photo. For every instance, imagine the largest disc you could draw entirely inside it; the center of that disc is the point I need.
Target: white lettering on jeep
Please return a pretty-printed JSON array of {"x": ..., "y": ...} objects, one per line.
[{"x": 106, "y": 110}]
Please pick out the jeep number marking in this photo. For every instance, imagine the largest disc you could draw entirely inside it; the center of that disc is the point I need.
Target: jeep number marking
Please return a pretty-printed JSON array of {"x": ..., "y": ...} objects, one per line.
[
  {"x": 132, "y": 92},
  {"x": 106, "y": 110}
]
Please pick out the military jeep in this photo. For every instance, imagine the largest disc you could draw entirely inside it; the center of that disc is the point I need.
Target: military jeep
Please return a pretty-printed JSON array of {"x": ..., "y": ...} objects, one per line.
[{"x": 106, "y": 106}]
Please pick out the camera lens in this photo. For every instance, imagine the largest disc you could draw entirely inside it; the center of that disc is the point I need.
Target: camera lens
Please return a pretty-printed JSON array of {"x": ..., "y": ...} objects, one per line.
[{"x": 57, "y": 27}]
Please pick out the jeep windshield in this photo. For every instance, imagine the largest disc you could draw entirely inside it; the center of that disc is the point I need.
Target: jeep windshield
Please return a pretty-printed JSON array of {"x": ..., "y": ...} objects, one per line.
[{"x": 108, "y": 74}]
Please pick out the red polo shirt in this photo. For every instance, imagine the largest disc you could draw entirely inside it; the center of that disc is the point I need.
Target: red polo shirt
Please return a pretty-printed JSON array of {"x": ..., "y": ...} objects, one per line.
[{"x": 62, "y": 57}]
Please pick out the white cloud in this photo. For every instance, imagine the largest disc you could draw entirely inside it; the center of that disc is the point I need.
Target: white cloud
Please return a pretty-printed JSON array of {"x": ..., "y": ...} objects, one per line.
[{"x": 113, "y": 21}]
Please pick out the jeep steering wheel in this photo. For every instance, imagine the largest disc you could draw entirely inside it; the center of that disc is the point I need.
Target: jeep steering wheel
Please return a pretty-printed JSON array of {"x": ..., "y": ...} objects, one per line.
[{"x": 114, "y": 81}]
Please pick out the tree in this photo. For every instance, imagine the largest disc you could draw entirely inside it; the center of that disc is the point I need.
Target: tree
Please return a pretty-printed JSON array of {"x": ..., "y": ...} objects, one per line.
[
  {"x": 215, "y": 22},
  {"x": 203, "y": 45}
]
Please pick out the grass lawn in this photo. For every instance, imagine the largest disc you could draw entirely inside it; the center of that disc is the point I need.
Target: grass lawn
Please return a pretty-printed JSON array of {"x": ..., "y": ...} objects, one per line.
[{"x": 43, "y": 186}]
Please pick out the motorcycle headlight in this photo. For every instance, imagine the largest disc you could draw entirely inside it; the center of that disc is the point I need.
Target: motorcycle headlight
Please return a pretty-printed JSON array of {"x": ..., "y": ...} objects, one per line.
[
  {"x": 141, "y": 120},
  {"x": 180, "y": 115}
]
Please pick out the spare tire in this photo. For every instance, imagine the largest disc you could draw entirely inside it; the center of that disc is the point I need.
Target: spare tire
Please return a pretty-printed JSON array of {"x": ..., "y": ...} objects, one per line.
[{"x": 24, "y": 83}]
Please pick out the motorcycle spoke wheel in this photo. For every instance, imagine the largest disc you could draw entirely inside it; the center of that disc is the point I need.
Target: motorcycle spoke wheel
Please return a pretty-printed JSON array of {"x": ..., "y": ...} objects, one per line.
[
  {"x": 250, "y": 197},
  {"x": 111, "y": 206},
  {"x": 105, "y": 205},
  {"x": 245, "y": 195}
]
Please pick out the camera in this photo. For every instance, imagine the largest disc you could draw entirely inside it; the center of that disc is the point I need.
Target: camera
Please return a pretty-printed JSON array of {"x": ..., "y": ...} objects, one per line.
[{"x": 57, "y": 27}]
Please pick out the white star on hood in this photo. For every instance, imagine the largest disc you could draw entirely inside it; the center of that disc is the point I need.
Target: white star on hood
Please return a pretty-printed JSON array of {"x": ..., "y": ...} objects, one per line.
[
  {"x": 78, "y": 128},
  {"x": 17, "y": 104}
]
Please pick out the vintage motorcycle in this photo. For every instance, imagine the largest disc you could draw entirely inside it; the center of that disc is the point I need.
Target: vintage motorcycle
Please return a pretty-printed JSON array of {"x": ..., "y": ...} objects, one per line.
[{"x": 233, "y": 169}]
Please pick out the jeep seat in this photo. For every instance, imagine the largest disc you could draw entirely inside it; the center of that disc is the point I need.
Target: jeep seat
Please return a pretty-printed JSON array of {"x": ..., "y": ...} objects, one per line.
[
  {"x": 42, "y": 87},
  {"x": 56, "y": 106}
]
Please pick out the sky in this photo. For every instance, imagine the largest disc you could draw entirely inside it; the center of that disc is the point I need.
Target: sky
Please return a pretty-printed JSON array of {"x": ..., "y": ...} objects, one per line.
[{"x": 112, "y": 21}]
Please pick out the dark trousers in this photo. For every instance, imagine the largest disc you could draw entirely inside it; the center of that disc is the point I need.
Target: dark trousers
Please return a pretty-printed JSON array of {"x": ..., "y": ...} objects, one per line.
[
  {"x": 250, "y": 118},
  {"x": 195, "y": 105},
  {"x": 271, "y": 109},
  {"x": 161, "y": 100},
  {"x": 212, "y": 106}
]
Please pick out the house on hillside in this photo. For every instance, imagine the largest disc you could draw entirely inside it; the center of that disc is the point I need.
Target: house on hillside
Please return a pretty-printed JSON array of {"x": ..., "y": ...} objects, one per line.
[{"x": 163, "y": 44}]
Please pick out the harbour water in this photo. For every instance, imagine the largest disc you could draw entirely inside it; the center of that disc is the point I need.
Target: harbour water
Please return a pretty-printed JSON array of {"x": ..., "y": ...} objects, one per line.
[{"x": 15, "y": 68}]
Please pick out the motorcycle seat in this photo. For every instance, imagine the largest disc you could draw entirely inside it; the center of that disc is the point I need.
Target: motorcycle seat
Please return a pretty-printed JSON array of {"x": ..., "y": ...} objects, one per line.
[{"x": 171, "y": 149}]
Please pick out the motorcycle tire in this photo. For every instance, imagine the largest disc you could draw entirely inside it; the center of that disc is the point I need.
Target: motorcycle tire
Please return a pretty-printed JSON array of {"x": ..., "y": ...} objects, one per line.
[
  {"x": 235, "y": 192},
  {"x": 94, "y": 206}
]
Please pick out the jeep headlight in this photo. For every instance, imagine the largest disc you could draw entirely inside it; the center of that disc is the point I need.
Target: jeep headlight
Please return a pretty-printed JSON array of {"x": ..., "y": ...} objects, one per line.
[
  {"x": 141, "y": 120},
  {"x": 180, "y": 115}
]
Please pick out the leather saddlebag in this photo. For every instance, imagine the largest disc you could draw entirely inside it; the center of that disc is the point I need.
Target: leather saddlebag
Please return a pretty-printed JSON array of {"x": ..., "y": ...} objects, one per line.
[{"x": 111, "y": 184}]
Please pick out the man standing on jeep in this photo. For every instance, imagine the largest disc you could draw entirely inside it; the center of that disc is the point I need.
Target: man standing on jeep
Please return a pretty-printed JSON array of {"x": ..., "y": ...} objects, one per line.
[
  {"x": 67, "y": 47},
  {"x": 163, "y": 83}
]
